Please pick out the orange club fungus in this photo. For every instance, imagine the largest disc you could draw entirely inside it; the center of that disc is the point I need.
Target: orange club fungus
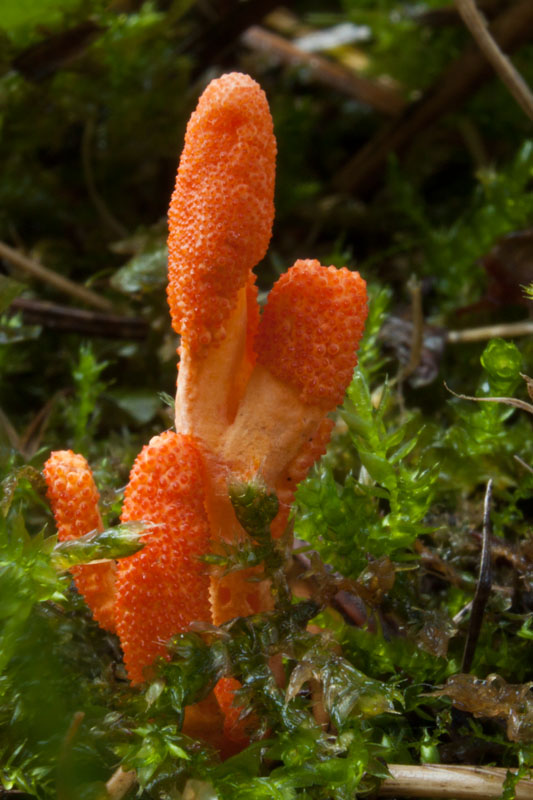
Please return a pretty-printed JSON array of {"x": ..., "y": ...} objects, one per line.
[{"x": 253, "y": 396}]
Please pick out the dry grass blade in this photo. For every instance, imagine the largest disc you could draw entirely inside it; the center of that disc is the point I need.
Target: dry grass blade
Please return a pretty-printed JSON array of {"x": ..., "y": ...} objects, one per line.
[
  {"x": 10, "y": 432},
  {"x": 79, "y": 320},
  {"x": 35, "y": 268},
  {"x": 501, "y": 63},
  {"x": 449, "y": 781},
  {"x": 483, "y": 586},
  {"x": 505, "y": 330},
  {"x": 30, "y": 440},
  {"x": 326, "y": 72},
  {"x": 508, "y": 401},
  {"x": 510, "y": 29},
  {"x": 523, "y": 463}
]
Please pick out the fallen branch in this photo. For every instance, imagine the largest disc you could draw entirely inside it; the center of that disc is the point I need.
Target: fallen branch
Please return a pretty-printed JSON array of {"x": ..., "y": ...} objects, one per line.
[
  {"x": 88, "y": 323},
  {"x": 450, "y": 781},
  {"x": 501, "y": 63},
  {"x": 448, "y": 15},
  {"x": 35, "y": 268},
  {"x": 510, "y": 29},
  {"x": 323, "y": 71},
  {"x": 38, "y": 61}
]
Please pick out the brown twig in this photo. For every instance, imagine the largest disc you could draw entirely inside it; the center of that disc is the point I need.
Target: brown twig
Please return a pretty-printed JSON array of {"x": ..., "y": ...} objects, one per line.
[
  {"x": 510, "y": 29},
  {"x": 523, "y": 463},
  {"x": 326, "y": 72},
  {"x": 483, "y": 585},
  {"x": 450, "y": 781},
  {"x": 30, "y": 439},
  {"x": 508, "y": 401},
  {"x": 500, "y": 62},
  {"x": 9, "y": 430},
  {"x": 38, "y": 61},
  {"x": 505, "y": 330},
  {"x": 89, "y": 323},
  {"x": 107, "y": 217},
  {"x": 448, "y": 15},
  {"x": 120, "y": 783},
  {"x": 35, "y": 268}
]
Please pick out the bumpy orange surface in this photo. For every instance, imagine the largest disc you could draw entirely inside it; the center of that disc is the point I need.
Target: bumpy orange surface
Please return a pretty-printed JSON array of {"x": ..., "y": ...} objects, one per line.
[
  {"x": 310, "y": 330},
  {"x": 163, "y": 587},
  {"x": 74, "y": 500},
  {"x": 221, "y": 212}
]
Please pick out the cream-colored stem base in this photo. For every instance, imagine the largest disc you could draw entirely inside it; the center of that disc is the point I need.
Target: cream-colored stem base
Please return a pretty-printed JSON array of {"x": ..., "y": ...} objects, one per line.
[
  {"x": 209, "y": 387},
  {"x": 271, "y": 426}
]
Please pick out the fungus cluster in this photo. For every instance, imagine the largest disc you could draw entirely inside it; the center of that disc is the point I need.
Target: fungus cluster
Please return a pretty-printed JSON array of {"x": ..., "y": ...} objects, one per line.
[{"x": 253, "y": 392}]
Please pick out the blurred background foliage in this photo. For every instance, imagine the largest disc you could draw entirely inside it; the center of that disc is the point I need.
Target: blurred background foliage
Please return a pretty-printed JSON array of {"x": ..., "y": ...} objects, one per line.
[
  {"x": 94, "y": 98},
  {"x": 400, "y": 155}
]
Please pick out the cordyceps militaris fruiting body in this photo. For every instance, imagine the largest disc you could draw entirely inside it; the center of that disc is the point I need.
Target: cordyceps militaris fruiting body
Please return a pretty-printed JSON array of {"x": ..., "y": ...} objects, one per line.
[{"x": 253, "y": 393}]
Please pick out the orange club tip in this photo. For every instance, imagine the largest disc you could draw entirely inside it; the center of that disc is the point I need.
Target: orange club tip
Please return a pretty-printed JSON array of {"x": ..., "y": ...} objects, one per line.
[
  {"x": 310, "y": 330},
  {"x": 221, "y": 211},
  {"x": 164, "y": 587},
  {"x": 74, "y": 500}
]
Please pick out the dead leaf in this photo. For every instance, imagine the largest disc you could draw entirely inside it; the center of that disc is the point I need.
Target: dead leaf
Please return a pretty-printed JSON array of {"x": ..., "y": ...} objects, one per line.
[{"x": 493, "y": 698}]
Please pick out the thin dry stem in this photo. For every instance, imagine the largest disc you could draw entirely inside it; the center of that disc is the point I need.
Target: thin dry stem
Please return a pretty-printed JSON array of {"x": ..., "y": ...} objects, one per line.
[
  {"x": 523, "y": 463},
  {"x": 500, "y": 62},
  {"x": 458, "y": 81},
  {"x": 79, "y": 320},
  {"x": 107, "y": 217},
  {"x": 508, "y": 401},
  {"x": 374, "y": 94},
  {"x": 483, "y": 587},
  {"x": 505, "y": 331},
  {"x": 35, "y": 268},
  {"x": 449, "y": 781}
]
